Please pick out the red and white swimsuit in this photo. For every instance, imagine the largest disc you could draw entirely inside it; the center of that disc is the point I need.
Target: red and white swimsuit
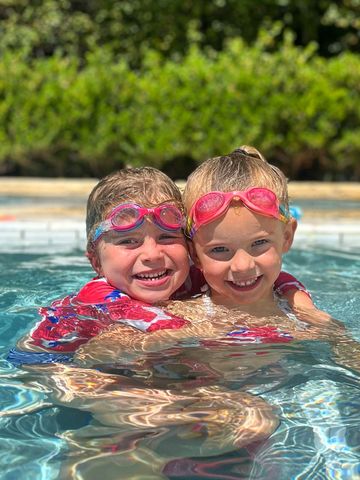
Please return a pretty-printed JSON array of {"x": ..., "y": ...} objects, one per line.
[{"x": 69, "y": 322}]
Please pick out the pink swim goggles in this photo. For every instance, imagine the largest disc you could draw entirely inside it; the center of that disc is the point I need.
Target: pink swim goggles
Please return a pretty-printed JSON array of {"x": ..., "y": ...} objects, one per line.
[
  {"x": 128, "y": 216},
  {"x": 214, "y": 204}
]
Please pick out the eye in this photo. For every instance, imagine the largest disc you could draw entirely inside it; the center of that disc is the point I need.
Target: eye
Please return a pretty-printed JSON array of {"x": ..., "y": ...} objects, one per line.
[
  {"x": 170, "y": 237},
  {"x": 131, "y": 242},
  {"x": 219, "y": 249},
  {"x": 262, "y": 241}
]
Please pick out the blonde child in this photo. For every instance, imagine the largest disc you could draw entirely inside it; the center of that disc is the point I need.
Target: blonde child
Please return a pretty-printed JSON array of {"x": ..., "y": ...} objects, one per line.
[{"x": 240, "y": 227}]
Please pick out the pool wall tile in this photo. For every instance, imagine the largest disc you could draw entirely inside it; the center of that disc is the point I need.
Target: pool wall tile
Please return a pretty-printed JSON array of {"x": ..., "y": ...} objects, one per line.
[
  {"x": 34, "y": 235},
  {"x": 342, "y": 236},
  {"x": 70, "y": 234}
]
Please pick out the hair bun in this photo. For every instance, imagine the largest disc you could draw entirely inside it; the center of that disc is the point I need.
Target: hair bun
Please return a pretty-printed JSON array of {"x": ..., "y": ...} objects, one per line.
[{"x": 248, "y": 151}]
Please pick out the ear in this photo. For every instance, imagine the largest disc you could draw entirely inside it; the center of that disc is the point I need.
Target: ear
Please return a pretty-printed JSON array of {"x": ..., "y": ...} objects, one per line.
[
  {"x": 193, "y": 254},
  {"x": 289, "y": 232},
  {"x": 95, "y": 261}
]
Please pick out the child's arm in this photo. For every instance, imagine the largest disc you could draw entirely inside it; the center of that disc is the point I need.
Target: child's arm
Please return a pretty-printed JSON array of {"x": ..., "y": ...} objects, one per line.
[
  {"x": 300, "y": 300},
  {"x": 64, "y": 328},
  {"x": 124, "y": 342},
  {"x": 293, "y": 290},
  {"x": 72, "y": 321}
]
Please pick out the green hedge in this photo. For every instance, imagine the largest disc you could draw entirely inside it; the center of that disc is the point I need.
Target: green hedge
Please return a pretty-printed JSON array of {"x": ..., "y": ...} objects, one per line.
[{"x": 61, "y": 118}]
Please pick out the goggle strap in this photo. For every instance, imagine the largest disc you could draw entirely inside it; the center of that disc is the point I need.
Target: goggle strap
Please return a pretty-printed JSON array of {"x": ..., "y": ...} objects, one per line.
[
  {"x": 100, "y": 229},
  {"x": 189, "y": 227},
  {"x": 284, "y": 214}
]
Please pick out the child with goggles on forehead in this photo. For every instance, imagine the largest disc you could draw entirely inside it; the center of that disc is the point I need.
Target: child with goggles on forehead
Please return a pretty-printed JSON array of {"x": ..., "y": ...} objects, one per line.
[
  {"x": 137, "y": 248},
  {"x": 240, "y": 226}
]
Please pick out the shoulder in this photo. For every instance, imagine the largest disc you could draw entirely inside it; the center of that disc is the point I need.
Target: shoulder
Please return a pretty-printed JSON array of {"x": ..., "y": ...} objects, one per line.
[{"x": 98, "y": 290}]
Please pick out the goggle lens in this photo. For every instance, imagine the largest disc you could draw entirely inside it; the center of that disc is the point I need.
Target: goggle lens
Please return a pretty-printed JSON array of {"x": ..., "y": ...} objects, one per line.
[
  {"x": 170, "y": 217},
  {"x": 207, "y": 205},
  {"x": 126, "y": 217},
  {"x": 264, "y": 199}
]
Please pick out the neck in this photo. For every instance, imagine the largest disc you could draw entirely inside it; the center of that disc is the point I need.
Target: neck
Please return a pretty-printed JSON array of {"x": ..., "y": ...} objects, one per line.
[{"x": 262, "y": 308}]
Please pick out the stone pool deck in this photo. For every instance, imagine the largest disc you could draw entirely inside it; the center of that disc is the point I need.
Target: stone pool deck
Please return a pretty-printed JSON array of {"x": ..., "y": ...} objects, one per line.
[{"x": 37, "y": 214}]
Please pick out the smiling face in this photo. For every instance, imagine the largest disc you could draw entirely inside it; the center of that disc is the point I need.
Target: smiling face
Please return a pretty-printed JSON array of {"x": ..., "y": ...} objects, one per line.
[
  {"x": 147, "y": 263},
  {"x": 240, "y": 255}
]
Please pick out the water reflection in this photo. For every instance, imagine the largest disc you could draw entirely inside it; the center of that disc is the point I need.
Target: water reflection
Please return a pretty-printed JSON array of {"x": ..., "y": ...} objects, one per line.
[{"x": 132, "y": 421}]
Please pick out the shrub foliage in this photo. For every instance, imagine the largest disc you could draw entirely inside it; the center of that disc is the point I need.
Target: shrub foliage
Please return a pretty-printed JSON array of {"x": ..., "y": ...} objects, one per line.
[{"x": 60, "y": 115}]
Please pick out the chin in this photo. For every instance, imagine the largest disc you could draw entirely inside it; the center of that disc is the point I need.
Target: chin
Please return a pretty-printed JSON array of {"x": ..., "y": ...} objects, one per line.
[
  {"x": 154, "y": 297},
  {"x": 233, "y": 301}
]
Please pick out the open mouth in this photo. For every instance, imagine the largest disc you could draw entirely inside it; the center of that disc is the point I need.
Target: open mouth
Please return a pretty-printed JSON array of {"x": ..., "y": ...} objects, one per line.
[
  {"x": 152, "y": 276},
  {"x": 246, "y": 284}
]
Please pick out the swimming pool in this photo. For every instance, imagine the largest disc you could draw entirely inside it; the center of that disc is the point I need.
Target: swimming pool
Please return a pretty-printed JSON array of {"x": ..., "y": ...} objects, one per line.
[{"x": 317, "y": 400}]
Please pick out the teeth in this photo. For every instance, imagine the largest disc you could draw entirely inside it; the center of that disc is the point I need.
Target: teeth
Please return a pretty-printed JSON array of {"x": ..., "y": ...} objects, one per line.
[
  {"x": 247, "y": 283},
  {"x": 151, "y": 276}
]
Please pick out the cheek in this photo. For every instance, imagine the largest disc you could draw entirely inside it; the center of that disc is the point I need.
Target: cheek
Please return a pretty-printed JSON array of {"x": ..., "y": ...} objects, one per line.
[
  {"x": 182, "y": 263},
  {"x": 212, "y": 267},
  {"x": 178, "y": 250},
  {"x": 111, "y": 257},
  {"x": 272, "y": 258},
  {"x": 105, "y": 253}
]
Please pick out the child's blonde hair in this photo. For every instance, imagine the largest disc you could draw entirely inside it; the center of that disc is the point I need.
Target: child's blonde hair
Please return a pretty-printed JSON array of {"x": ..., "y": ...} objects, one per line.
[
  {"x": 146, "y": 186},
  {"x": 243, "y": 168}
]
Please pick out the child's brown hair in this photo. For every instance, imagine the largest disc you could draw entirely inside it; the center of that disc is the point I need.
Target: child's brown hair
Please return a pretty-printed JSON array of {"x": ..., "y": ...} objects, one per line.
[{"x": 146, "y": 186}]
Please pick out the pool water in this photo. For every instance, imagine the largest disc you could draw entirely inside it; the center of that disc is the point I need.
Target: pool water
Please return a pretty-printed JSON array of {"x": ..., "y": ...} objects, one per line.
[{"x": 317, "y": 400}]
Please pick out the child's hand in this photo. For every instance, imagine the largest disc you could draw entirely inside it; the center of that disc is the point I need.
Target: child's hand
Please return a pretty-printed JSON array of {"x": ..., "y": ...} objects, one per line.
[
  {"x": 319, "y": 318},
  {"x": 66, "y": 383},
  {"x": 304, "y": 308},
  {"x": 113, "y": 345}
]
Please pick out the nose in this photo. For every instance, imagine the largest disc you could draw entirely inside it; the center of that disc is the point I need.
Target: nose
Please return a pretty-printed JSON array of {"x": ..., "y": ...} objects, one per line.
[
  {"x": 242, "y": 262},
  {"x": 151, "y": 250}
]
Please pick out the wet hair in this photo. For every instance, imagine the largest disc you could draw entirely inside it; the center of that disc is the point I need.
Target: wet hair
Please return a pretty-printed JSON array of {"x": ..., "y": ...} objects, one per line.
[
  {"x": 241, "y": 169},
  {"x": 145, "y": 186}
]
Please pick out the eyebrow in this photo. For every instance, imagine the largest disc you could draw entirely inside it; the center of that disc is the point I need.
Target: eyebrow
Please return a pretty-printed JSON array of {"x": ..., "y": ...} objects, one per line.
[
  {"x": 113, "y": 234},
  {"x": 225, "y": 240}
]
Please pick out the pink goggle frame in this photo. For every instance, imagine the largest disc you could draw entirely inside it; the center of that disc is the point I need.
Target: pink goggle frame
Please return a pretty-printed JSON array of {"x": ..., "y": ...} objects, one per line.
[
  {"x": 214, "y": 204},
  {"x": 128, "y": 216}
]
